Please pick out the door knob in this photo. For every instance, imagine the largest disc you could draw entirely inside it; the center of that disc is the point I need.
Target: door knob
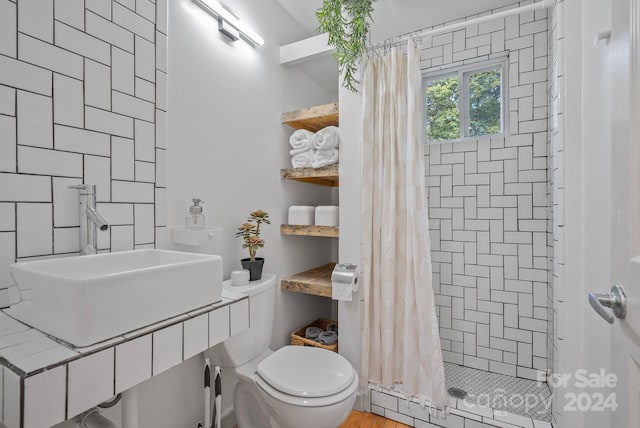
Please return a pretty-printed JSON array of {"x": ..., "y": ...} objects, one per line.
[{"x": 616, "y": 300}]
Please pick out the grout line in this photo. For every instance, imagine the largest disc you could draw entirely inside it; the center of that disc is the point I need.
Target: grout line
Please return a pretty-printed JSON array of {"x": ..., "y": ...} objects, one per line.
[
  {"x": 66, "y": 391},
  {"x": 114, "y": 368}
]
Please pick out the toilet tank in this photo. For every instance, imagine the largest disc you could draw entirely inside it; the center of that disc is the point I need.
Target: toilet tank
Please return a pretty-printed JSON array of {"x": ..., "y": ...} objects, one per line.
[{"x": 247, "y": 345}]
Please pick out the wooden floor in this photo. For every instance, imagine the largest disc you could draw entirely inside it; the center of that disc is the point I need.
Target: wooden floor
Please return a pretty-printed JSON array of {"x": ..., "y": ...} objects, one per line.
[{"x": 368, "y": 420}]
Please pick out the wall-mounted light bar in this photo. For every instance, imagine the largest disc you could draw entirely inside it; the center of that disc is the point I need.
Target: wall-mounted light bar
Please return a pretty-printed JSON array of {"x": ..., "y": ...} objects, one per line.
[{"x": 228, "y": 24}]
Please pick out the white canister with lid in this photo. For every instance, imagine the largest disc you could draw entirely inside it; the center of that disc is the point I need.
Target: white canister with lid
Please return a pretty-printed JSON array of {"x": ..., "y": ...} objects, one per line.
[
  {"x": 301, "y": 215},
  {"x": 327, "y": 215},
  {"x": 240, "y": 277}
]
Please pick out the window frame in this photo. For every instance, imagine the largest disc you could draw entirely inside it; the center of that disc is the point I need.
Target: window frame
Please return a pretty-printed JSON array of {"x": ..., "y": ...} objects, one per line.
[{"x": 463, "y": 72}]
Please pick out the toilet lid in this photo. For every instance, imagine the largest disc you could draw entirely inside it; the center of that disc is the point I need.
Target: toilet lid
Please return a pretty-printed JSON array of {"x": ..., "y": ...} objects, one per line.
[{"x": 306, "y": 371}]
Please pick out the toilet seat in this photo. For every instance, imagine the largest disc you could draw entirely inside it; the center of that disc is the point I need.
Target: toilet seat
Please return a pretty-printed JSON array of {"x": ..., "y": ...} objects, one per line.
[
  {"x": 307, "y": 401},
  {"x": 306, "y": 376}
]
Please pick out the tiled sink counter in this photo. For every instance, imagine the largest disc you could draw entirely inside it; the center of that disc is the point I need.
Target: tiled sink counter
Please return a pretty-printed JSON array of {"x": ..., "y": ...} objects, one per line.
[{"x": 45, "y": 382}]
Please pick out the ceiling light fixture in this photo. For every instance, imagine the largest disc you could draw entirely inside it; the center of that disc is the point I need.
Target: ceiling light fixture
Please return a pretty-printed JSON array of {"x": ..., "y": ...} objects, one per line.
[{"x": 228, "y": 24}]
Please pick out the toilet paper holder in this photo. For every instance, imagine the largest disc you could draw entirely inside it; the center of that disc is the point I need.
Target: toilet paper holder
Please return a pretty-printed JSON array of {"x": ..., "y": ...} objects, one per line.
[{"x": 345, "y": 273}]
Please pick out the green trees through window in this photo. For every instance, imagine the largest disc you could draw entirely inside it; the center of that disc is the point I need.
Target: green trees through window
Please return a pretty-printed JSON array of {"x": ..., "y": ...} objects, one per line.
[
  {"x": 464, "y": 105},
  {"x": 443, "y": 116},
  {"x": 484, "y": 103}
]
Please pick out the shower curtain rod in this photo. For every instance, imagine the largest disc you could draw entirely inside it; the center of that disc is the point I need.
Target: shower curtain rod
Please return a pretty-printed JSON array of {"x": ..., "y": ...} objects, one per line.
[{"x": 545, "y": 4}]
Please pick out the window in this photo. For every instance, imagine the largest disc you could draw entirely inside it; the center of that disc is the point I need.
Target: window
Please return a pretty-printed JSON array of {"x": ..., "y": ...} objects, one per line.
[{"x": 466, "y": 103}]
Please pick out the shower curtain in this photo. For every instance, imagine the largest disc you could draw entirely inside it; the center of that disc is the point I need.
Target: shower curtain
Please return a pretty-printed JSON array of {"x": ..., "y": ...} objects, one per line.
[{"x": 401, "y": 344}]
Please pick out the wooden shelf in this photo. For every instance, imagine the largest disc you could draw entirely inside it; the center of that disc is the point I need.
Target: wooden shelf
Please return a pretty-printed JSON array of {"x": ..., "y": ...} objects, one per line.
[
  {"x": 312, "y": 118},
  {"x": 315, "y": 281},
  {"x": 299, "y": 230},
  {"x": 325, "y": 176}
]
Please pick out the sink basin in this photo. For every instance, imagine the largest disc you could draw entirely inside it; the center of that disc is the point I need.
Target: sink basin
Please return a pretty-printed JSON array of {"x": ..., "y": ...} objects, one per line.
[{"x": 87, "y": 299}]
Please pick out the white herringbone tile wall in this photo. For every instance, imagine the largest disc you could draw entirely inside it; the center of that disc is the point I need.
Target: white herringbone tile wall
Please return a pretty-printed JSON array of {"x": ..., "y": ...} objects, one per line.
[
  {"x": 82, "y": 100},
  {"x": 489, "y": 214}
]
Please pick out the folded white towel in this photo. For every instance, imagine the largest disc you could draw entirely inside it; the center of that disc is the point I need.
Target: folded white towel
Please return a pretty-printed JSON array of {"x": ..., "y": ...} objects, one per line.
[
  {"x": 326, "y": 138},
  {"x": 301, "y": 139},
  {"x": 325, "y": 157},
  {"x": 302, "y": 160}
]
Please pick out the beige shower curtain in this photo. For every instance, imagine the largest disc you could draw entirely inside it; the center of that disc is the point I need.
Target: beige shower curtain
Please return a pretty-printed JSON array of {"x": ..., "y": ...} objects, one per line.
[{"x": 401, "y": 344}]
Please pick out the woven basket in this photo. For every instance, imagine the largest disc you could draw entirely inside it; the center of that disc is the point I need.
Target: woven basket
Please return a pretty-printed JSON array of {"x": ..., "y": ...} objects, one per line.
[{"x": 298, "y": 339}]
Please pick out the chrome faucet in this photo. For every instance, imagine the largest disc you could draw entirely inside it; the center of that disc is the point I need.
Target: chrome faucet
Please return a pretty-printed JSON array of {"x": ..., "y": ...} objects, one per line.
[{"x": 90, "y": 219}]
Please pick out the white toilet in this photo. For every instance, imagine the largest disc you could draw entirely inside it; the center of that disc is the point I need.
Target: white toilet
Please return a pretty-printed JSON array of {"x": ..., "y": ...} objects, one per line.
[{"x": 292, "y": 387}]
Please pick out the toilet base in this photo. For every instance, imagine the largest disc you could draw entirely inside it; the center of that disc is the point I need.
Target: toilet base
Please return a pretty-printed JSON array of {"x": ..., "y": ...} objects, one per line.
[
  {"x": 250, "y": 409},
  {"x": 255, "y": 409},
  {"x": 287, "y": 415}
]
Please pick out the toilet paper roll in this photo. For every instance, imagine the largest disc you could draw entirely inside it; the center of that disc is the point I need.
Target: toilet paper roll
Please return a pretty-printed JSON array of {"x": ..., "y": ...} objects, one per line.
[
  {"x": 341, "y": 291},
  {"x": 343, "y": 281}
]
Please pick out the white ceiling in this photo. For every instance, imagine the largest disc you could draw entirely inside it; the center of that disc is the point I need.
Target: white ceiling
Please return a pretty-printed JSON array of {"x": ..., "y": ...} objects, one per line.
[
  {"x": 303, "y": 11},
  {"x": 390, "y": 18},
  {"x": 393, "y": 17}
]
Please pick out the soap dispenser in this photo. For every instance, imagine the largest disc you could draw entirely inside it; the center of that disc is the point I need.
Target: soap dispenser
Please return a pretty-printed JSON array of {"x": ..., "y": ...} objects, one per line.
[{"x": 195, "y": 219}]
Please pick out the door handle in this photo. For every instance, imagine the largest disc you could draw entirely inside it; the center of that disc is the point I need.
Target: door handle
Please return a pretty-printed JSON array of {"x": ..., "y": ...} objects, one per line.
[{"x": 616, "y": 300}]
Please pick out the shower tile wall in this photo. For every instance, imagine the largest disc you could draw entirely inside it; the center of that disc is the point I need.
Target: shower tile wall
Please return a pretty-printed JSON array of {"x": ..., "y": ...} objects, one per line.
[
  {"x": 82, "y": 99},
  {"x": 489, "y": 211}
]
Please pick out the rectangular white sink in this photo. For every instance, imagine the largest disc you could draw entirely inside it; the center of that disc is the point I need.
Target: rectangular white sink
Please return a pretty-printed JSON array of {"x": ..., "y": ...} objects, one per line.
[{"x": 88, "y": 299}]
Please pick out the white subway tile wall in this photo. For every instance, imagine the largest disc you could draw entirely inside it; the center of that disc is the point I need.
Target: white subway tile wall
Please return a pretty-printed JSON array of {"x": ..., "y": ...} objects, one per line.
[
  {"x": 133, "y": 363},
  {"x": 44, "y": 398},
  {"x": 11, "y": 395},
  {"x": 167, "y": 348},
  {"x": 78, "y": 91},
  {"x": 196, "y": 336},
  {"x": 489, "y": 212},
  {"x": 96, "y": 369},
  {"x": 219, "y": 325}
]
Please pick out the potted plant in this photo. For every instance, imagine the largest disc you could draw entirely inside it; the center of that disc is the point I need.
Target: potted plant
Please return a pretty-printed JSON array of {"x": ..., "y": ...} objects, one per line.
[
  {"x": 347, "y": 22},
  {"x": 250, "y": 233}
]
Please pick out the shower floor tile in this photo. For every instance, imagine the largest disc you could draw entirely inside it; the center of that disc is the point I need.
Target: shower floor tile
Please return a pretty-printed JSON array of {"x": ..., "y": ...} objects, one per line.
[{"x": 499, "y": 392}]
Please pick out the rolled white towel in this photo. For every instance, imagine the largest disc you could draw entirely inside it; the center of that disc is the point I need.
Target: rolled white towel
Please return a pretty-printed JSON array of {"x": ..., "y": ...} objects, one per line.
[
  {"x": 312, "y": 332},
  {"x": 302, "y": 160},
  {"x": 328, "y": 338},
  {"x": 301, "y": 139},
  {"x": 326, "y": 138},
  {"x": 294, "y": 152},
  {"x": 325, "y": 157}
]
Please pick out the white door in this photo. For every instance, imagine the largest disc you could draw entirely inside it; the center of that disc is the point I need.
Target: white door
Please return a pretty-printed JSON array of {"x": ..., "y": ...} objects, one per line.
[{"x": 625, "y": 214}]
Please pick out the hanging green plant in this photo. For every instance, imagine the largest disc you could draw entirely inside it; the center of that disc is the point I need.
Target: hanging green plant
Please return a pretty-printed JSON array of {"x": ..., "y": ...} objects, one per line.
[{"x": 348, "y": 23}]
